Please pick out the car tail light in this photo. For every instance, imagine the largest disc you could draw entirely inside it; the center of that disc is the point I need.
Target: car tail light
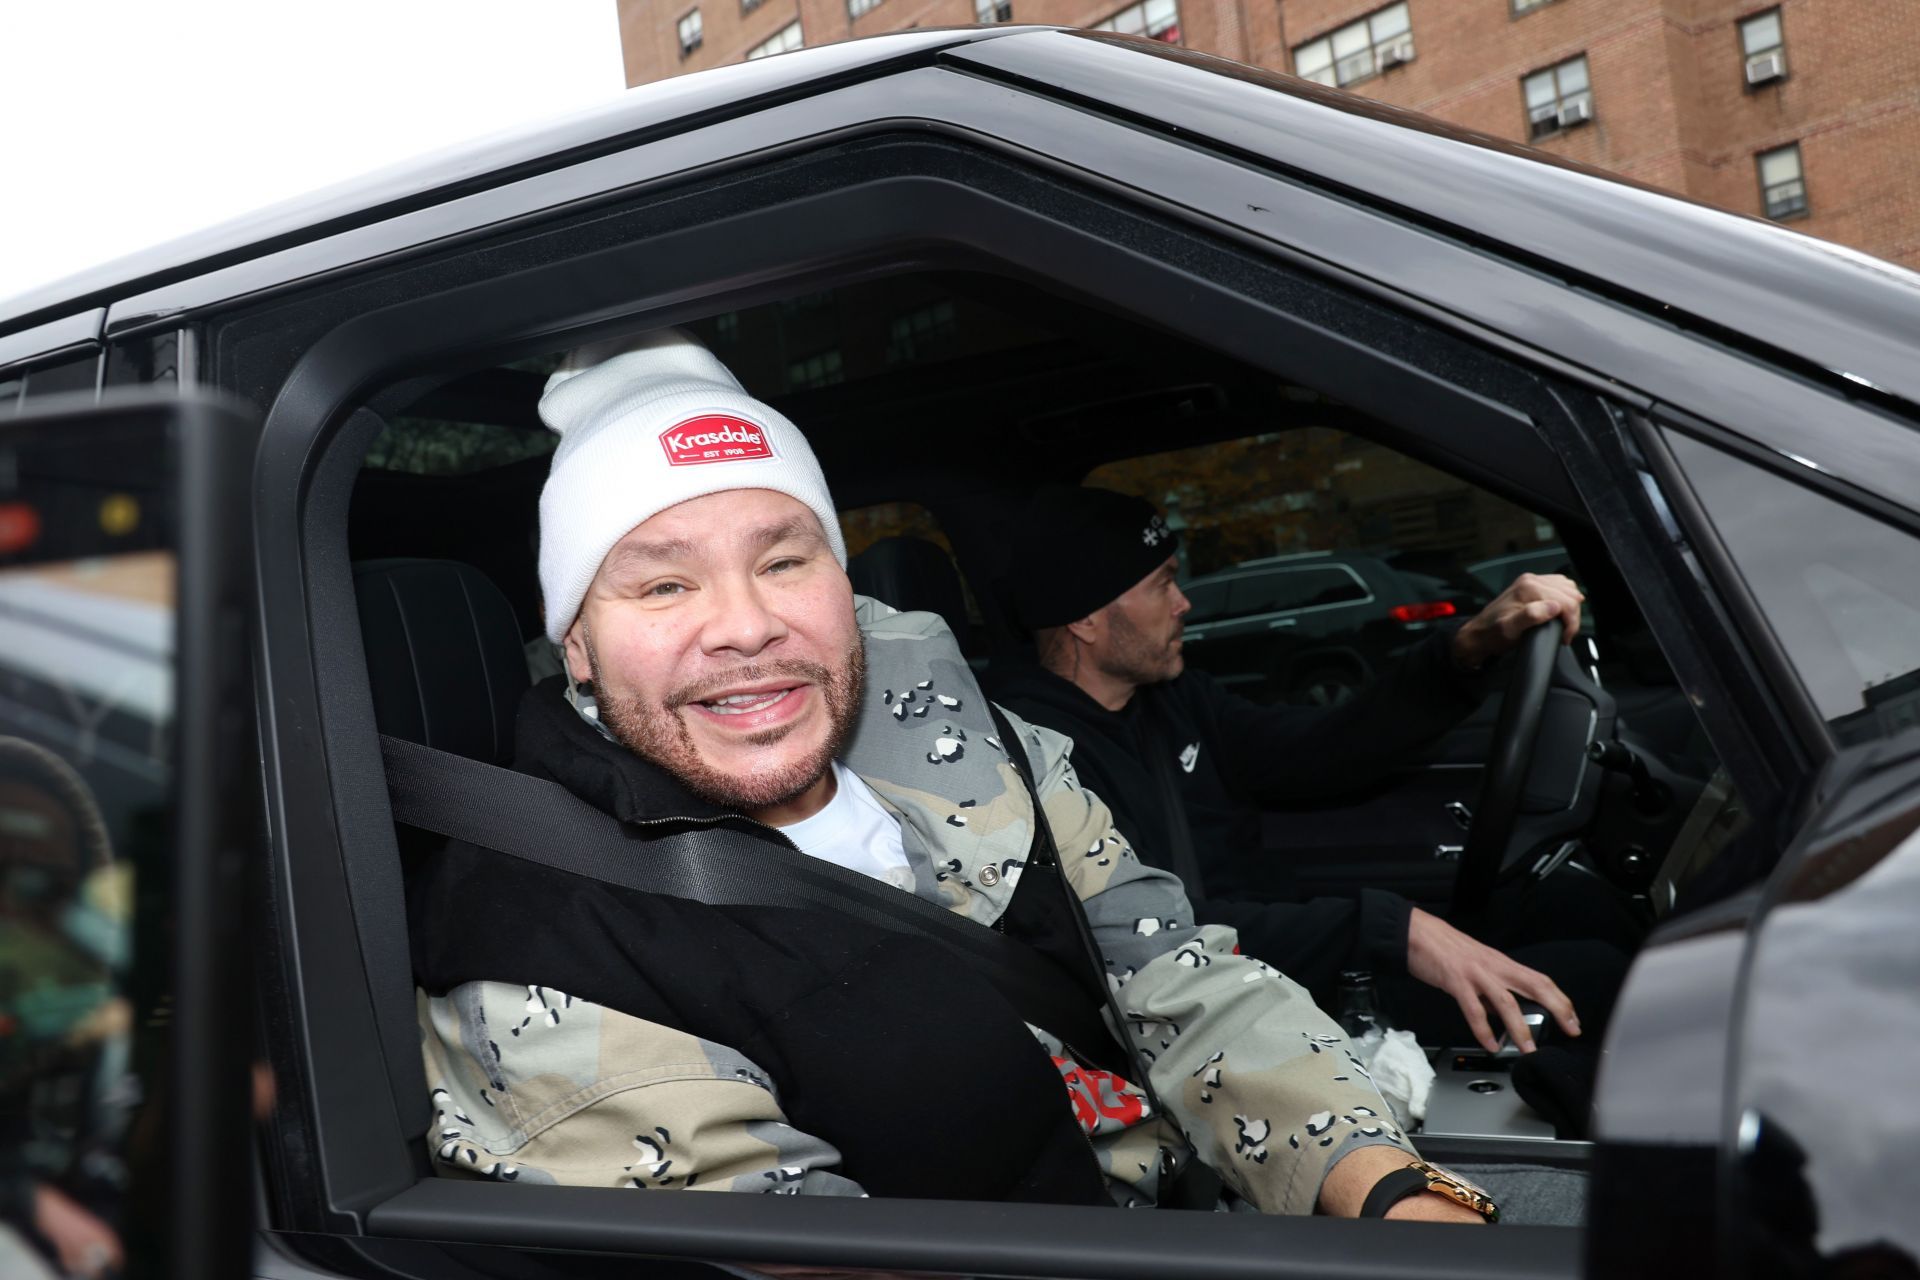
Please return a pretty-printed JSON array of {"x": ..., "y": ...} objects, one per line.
[{"x": 1432, "y": 611}]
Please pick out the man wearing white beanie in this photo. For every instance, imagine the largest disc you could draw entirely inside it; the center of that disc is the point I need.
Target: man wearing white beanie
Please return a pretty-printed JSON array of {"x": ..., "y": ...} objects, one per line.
[{"x": 722, "y": 673}]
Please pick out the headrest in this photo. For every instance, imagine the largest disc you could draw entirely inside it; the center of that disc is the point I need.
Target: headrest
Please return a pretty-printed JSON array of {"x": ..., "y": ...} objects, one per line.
[
  {"x": 911, "y": 574},
  {"x": 444, "y": 655}
]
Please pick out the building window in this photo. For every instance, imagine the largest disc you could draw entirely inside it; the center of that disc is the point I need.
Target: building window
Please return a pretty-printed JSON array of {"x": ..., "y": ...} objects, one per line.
[
  {"x": 785, "y": 40},
  {"x": 915, "y": 334},
  {"x": 1783, "y": 187},
  {"x": 1154, "y": 19},
  {"x": 1558, "y": 98},
  {"x": 857, "y": 7},
  {"x": 689, "y": 27},
  {"x": 1763, "y": 43},
  {"x": 1360, "y": 49},
  {"x": 990, "y": 11},
  {"x": 816, "y": 371},
  {"x": 1528, "y": 6},
  {"x": 748, "y": 6}
]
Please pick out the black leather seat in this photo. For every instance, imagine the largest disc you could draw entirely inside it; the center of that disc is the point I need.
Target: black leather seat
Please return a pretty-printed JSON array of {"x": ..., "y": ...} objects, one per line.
[
  {"x": 914, "y": 574},
  {"x": 444, "y": 655}
]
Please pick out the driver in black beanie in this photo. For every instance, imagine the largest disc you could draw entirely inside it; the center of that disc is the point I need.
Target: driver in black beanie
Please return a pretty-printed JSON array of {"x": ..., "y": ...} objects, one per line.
[{"x": 1188, "y": 767}]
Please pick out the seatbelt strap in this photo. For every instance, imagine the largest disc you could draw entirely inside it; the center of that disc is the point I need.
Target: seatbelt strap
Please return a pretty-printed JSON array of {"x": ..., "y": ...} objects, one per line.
[
  {"x": 717, "y": 863},
  {"x": 1194, "y": 1184}
]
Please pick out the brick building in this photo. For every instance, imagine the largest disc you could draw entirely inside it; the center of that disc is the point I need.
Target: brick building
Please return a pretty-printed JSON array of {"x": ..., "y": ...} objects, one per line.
[{"x": 1805, "y": 110}]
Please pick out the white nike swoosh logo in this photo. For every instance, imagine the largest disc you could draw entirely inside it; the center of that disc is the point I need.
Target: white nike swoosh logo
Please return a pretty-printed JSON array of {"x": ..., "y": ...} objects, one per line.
[{"x": 1190, "y": 756}]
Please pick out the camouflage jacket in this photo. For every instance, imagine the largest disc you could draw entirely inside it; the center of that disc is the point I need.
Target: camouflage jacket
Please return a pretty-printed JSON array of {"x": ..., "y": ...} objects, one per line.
[{"x": 1259, "y": 1083}]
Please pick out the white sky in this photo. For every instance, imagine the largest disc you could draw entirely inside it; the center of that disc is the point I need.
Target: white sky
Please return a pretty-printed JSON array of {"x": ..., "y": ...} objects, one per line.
[{"x": 128, "y": 124}]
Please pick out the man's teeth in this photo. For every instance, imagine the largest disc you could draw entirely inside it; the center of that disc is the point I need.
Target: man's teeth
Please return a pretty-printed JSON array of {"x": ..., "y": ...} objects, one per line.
[{"x": 741, "y": 703}]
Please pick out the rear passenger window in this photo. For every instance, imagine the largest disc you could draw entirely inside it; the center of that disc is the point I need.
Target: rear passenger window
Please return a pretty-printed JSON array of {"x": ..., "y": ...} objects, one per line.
[
  {"x": 1313, "y": 558},
  {"x": 427, "y": 446}
]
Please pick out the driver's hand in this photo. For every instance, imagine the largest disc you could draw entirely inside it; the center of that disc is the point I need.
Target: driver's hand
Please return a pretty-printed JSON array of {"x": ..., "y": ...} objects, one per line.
[
  {"x": 1482, "y": 979},
  {"x": 1531, "y": 600}
]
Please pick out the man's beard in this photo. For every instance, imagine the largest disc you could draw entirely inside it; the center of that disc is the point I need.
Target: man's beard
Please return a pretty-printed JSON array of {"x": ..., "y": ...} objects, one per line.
[
  {"x": 655, "y": 731},
  {"x": 1135, "y": 657}
]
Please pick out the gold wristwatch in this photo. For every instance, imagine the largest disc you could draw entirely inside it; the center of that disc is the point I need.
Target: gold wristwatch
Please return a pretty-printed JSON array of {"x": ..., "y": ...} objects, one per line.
[{"x": 1419, "y": 1177}]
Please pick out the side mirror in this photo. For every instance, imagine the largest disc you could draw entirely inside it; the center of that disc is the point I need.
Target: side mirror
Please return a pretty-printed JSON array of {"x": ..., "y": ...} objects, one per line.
[{"x": 125, "y": 714}]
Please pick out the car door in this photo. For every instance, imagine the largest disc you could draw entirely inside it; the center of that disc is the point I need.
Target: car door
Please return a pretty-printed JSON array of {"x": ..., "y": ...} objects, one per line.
[
  {"x": 123, "y": 816},
  {"x": 330, "y": 354}
]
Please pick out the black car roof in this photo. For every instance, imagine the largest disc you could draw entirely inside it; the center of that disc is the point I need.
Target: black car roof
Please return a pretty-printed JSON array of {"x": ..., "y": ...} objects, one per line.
[{"x": 1748, "y": 281}]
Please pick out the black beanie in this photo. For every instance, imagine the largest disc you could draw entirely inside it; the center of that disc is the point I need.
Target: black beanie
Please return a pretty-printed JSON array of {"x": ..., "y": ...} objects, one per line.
[{"x": 1080, "y": 550}]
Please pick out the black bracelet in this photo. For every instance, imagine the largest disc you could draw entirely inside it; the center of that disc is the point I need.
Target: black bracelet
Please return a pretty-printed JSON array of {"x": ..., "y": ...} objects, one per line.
[{"x": 1391, "y": 1190}]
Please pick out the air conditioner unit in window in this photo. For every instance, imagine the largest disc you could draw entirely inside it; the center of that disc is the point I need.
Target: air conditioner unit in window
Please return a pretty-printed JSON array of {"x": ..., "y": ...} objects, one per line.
[
  {"x": 1763, "y": 67},
  {"x": 1354, "y": 66},
  {"x": 1399, "y": 51},
  {"x": 1579, "y": 111}
]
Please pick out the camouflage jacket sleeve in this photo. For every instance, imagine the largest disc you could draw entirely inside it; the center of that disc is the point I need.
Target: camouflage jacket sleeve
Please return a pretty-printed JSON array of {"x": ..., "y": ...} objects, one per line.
[
  {"x": 531, "y": 1085},
  {"x": 1260, "y": 1080}
]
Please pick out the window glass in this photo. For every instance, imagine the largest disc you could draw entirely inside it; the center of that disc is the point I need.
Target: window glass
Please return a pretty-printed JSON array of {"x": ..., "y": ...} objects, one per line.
[
  {"x": 1208, "y": 600},
  {"x": 1558, "y": 98},
  {"x": 61, "y": 379},
  {"x": 87, "y": 592},
  {"x": 1313, "y": 557},
  {"x": 857, "y": 7},
  {"x": 1761, "y": 34},
  {"x": 784, "y": 40},
  {"x": 690, "y": 30},
  {"x": 1358, "y": 49},
  {"x": 1389, "y": 22},
  {"x": 1840, "y": 589},
  {"x": 427, "y": 446},
  {"x": 1783, "y": 187},
  {"x": 1314, "y": 61},
  {"x": 1156, "y": 19},
  {"x": 819, "y": 370}
]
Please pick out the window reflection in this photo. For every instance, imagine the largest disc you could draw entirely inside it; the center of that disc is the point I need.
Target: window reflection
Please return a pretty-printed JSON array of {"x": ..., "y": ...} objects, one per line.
[
  {"x": 1840, "y": 589},
  {"x": 85, "y": 713}
]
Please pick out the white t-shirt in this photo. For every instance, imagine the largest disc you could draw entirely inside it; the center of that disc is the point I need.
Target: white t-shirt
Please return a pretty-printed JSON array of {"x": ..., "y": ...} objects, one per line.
[{"x": 854, "y": 831}]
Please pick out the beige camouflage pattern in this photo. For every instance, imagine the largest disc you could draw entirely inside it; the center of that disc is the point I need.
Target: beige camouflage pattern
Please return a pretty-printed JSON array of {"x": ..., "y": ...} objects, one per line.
[
  {"x": 583, "y": 1095},
  {"x": 1260, "y": 1083}
]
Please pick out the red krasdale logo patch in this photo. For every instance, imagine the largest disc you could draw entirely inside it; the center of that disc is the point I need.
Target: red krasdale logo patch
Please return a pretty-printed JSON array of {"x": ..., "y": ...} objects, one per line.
[{"x": 714, "y": 437}]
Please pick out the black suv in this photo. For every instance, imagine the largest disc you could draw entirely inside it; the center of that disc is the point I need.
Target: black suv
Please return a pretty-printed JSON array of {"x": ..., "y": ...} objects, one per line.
[
  {"x": 966, "y": 263},
  {"x": 1315, "y": 626}
]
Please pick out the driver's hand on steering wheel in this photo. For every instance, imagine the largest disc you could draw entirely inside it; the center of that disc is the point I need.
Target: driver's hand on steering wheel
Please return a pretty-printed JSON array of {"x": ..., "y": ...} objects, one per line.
[
  {"x": 1482, "y": 979},
  {"x": 1532, "y": 599}
]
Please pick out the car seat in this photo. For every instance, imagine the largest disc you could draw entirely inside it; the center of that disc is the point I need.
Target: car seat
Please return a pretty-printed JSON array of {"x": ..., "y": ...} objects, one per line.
[
  {"x": 915, "y": 574},
  {"x": 445, "y": 660}
]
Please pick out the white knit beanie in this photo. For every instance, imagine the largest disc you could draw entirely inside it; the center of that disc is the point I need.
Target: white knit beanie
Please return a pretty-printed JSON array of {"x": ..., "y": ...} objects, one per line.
[{"x": 645, "y": 424}]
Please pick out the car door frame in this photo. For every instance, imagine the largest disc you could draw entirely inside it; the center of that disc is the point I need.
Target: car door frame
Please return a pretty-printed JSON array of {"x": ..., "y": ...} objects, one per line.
[{"x": 326, "y": 793}]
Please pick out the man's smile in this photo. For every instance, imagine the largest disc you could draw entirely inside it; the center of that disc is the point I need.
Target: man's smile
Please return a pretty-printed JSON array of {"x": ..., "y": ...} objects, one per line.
[{"x": 752, "y": 707}]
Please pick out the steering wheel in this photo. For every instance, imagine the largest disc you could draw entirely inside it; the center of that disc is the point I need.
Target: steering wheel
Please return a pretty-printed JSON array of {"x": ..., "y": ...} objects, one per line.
[{"x": 1505, "y": 778}]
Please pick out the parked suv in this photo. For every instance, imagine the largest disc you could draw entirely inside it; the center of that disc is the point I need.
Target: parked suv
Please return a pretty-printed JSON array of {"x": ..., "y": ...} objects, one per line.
[
  {"x": 967, "y": 263},
  {"x": 1315, "y": 626}
]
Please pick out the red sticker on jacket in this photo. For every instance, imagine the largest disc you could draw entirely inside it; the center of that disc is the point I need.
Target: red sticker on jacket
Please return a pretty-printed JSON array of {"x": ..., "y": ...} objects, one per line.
[{"x": 715, "y": 437}]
